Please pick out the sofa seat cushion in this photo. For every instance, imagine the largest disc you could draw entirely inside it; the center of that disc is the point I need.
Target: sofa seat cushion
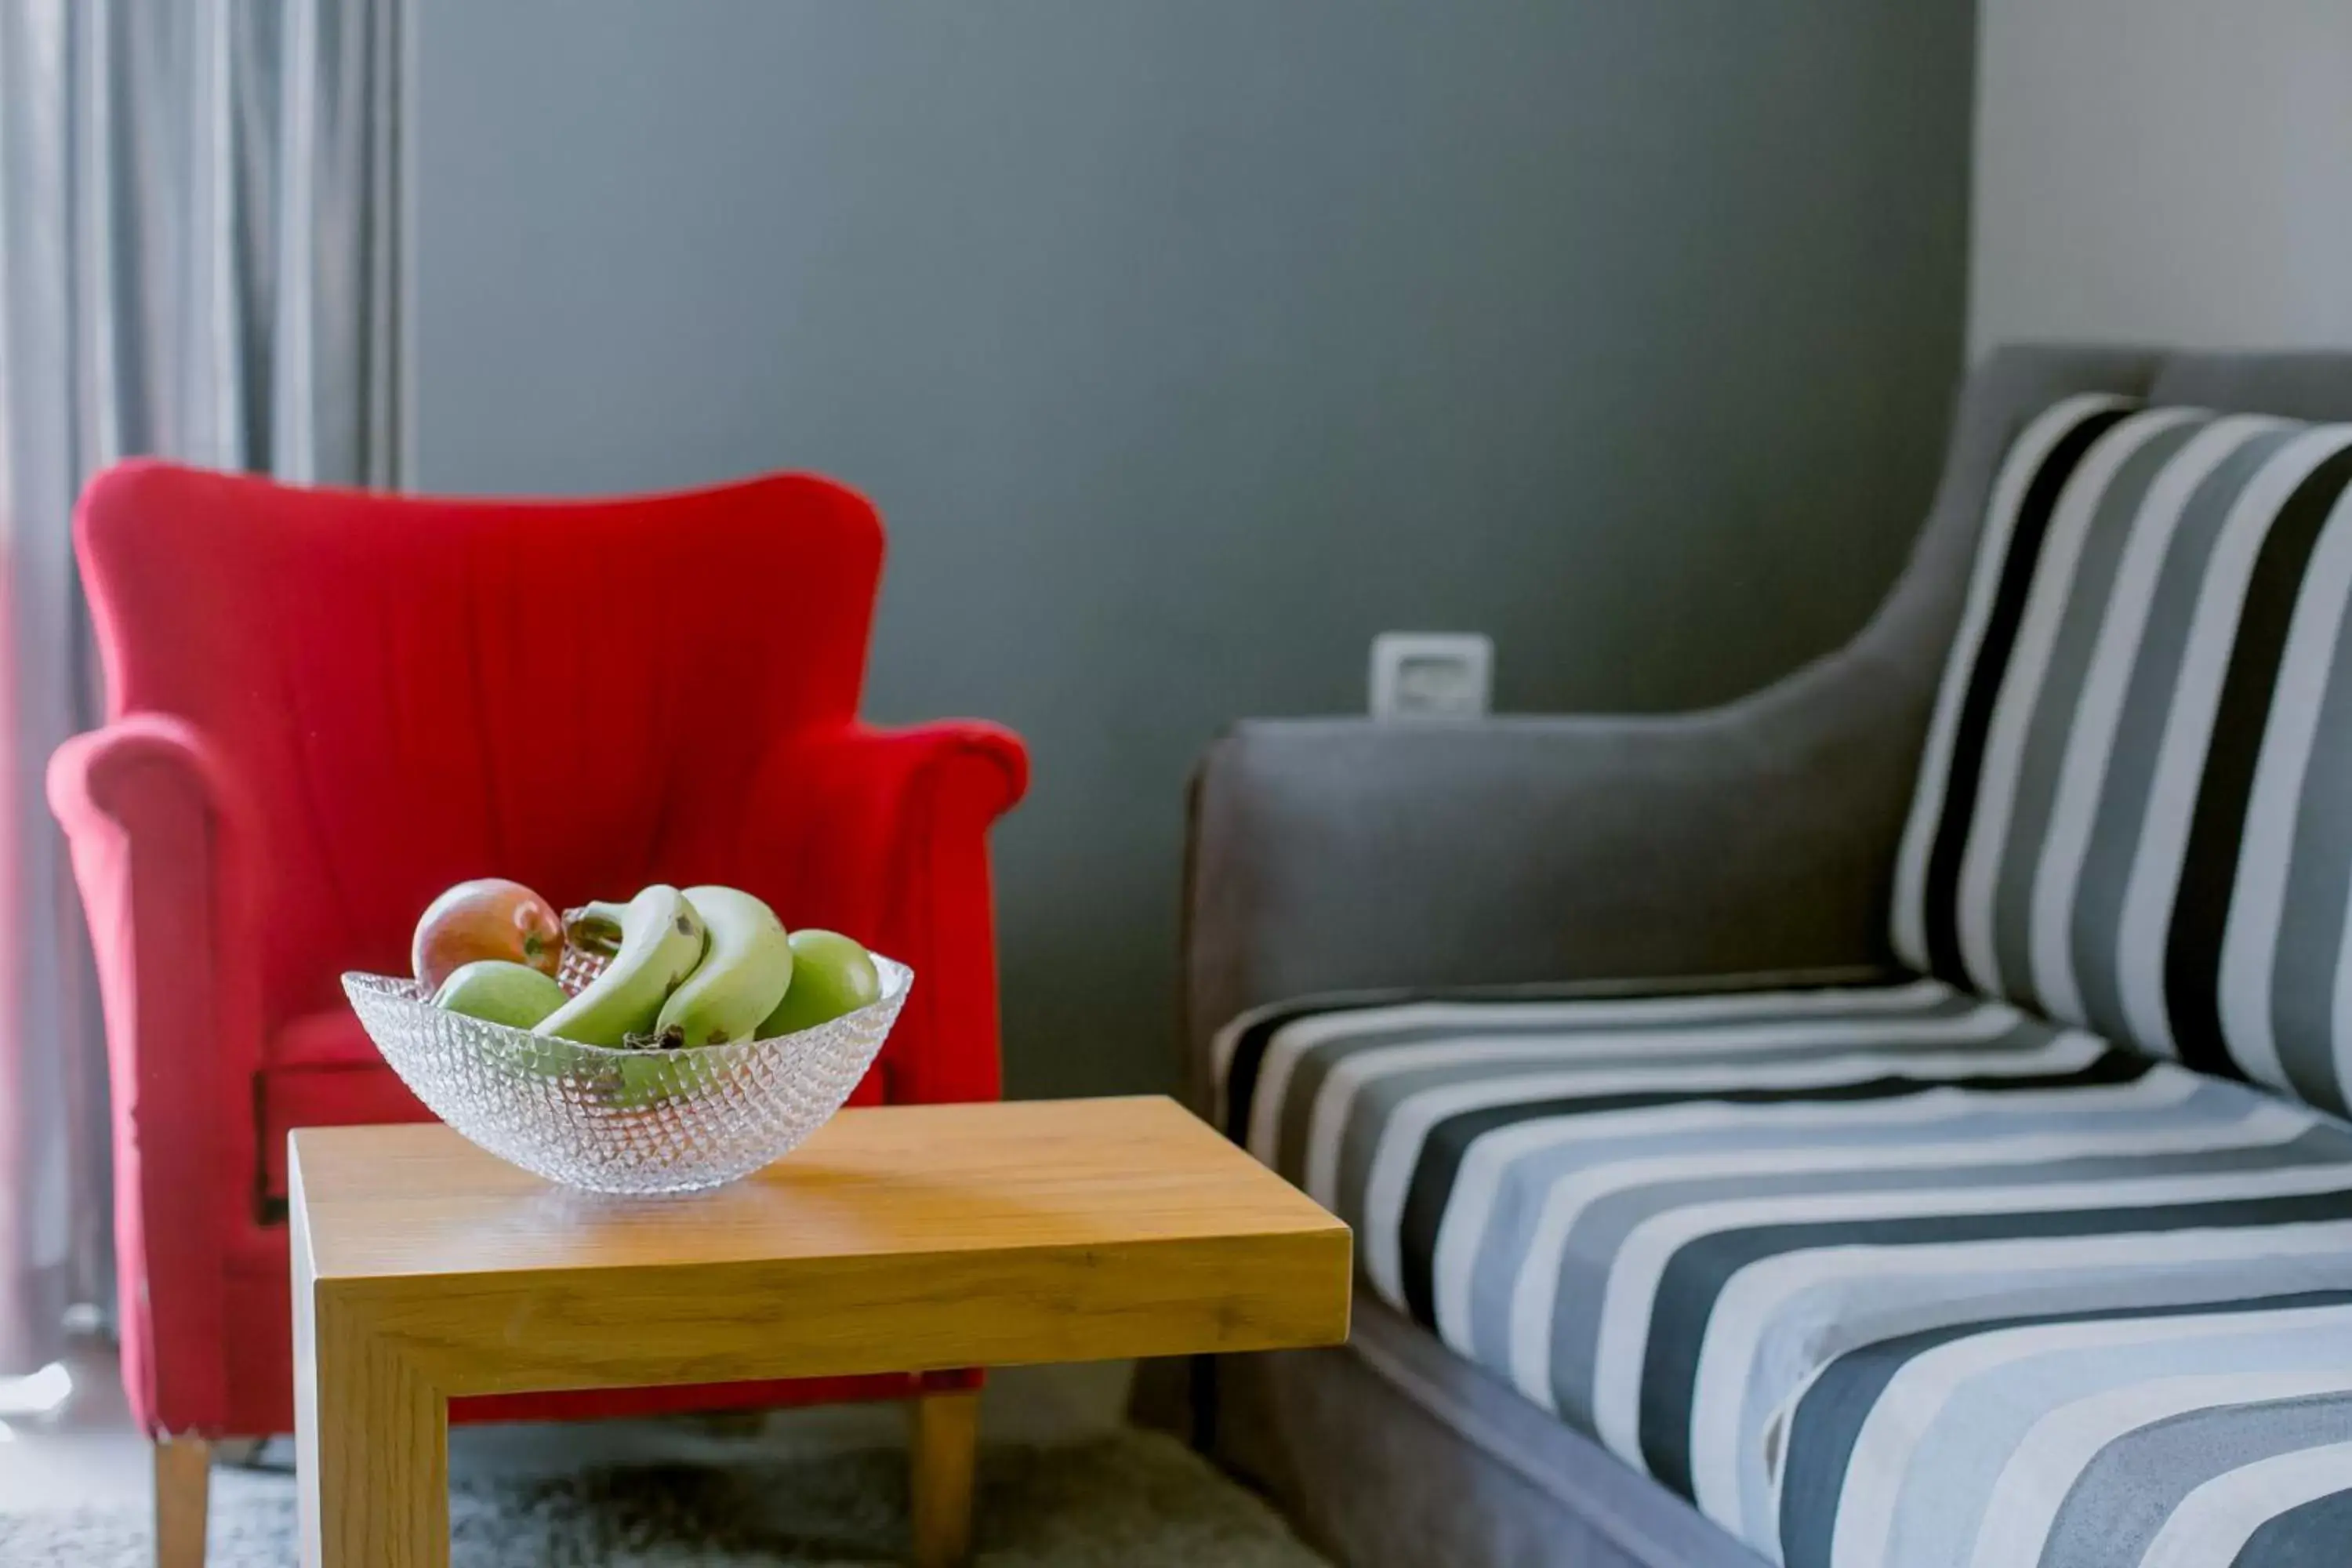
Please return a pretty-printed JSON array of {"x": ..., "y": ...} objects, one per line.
[
  {"x": 1879, "y": 1277},
  {"x": 322, "y": 1070},
  {"x": 2131, "y": 811}
]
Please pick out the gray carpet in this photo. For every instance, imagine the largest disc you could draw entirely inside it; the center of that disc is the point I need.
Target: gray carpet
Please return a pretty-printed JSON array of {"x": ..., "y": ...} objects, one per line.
[{"x": 1130, "y": 1500}]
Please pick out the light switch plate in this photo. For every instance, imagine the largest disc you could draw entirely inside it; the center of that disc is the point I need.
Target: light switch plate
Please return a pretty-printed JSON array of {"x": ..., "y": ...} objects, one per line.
[{"x": 1431, "y": 675}]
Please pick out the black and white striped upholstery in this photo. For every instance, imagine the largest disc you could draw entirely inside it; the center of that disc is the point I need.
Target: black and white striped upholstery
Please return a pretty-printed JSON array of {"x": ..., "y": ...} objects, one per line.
[
  {"x": 1954, "y": 1272},
  {"x": 2135, "y": 811},
  {"x": 1886, "y": 1277}
]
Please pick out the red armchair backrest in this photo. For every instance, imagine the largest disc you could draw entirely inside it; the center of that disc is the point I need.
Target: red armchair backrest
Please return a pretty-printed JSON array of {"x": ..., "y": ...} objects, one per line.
[{"x": 407, "y": 691}]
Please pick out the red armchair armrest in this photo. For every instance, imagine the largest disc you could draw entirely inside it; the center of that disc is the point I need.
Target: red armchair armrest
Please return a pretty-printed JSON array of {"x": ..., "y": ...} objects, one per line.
[
  {"x": 882, "y": 835},
  {"x": 158, "y": 851}
]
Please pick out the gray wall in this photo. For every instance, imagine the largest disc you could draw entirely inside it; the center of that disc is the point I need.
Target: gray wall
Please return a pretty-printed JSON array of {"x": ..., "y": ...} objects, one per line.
[
  {"x": 2165, "y": 171},
  {"x": 1186, "y": 343}
]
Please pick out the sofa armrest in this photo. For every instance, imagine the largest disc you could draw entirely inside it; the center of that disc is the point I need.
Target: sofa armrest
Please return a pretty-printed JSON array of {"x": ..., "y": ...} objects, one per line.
[
  {"x": 1337, "y": 855},
  {"x": 882, "y": 834},
  {"x": 159, "y": 852}
]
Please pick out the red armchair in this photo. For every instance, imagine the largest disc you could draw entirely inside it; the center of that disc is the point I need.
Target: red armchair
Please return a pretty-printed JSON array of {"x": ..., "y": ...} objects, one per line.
[{"x": 325, "y": 706}]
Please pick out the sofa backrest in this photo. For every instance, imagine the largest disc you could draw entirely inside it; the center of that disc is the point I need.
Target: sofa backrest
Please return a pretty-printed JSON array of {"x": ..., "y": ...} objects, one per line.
[
  {"x": 1901, "y": 651},
  {"x": 1822, "y": 762},
  {"x": 2135, "y": 810}
]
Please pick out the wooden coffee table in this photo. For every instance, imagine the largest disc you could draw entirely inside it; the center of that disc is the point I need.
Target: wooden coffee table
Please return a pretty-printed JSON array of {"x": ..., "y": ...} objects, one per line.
[{"x": 899, "y": 1239}]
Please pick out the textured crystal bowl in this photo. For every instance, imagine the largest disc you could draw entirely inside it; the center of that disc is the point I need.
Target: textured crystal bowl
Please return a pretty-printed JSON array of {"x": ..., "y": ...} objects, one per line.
[{"x": 624, "y": 1120}]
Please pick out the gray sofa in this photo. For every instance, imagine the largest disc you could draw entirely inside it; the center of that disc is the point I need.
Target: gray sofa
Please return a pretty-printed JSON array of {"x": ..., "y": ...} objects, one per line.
[{"x": 1751, "y": 845}]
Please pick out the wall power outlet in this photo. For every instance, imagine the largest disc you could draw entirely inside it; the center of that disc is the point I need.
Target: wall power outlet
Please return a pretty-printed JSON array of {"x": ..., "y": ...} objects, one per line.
[{"x": 1431, "y": 675}]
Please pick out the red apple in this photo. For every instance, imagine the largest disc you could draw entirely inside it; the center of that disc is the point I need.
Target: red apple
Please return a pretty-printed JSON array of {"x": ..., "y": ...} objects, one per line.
[{"x": 487, "y": 918}]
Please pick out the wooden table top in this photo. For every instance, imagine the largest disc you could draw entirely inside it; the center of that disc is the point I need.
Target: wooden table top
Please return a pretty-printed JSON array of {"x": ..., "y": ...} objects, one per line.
[
  {"x": 897, "y": 1239},
  {"x": 418, "y": 1202}
]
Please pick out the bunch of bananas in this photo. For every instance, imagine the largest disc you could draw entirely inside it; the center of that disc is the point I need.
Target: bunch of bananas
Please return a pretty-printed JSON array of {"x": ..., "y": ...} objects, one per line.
[{"x": 698, "y": 967}]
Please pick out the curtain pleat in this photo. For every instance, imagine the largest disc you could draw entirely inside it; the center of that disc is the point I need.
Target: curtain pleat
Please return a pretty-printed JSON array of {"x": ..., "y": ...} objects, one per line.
[{"x": 199, "y": 259}]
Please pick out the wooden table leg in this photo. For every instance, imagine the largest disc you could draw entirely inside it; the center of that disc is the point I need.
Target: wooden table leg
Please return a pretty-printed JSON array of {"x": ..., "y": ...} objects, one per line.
[
  {"x": 183, "y": 1472},
  {"x": 370, "y": 1439},
  {"x": 945, "y": 1446}
]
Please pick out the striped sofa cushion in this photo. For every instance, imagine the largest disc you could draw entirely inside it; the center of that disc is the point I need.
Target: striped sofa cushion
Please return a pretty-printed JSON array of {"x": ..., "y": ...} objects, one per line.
[
  {"x": 2135, "y": 809},
  {"x": 1887, "y": 1277}
]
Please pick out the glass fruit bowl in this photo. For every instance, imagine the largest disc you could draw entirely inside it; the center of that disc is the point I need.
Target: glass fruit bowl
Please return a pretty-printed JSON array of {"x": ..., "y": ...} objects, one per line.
[{"x": 624, "y": 1120}]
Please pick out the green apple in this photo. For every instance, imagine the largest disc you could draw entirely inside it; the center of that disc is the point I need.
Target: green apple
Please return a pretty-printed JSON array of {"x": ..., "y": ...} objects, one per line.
[
  {"x": 642, "y": 1080},
  {"x": 831, "y": 975},
  {"x": 501, "y": 992}
]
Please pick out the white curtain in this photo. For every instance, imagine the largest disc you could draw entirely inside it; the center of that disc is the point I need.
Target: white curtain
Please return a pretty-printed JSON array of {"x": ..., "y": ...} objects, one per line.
[{"x": 199, "y": 209}]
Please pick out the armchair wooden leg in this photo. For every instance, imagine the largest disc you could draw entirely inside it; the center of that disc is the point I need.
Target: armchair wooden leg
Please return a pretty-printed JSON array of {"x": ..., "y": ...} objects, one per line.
[
  {"x": 946, "y": 1445},
  {"x": 183, "y": 1493}
]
